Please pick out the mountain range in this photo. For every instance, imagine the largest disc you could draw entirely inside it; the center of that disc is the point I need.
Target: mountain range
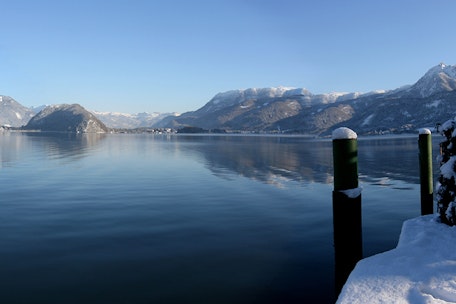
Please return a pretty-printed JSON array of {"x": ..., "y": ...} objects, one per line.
[
  {"x": 131, "y": 121},
  {"x": 430, "y": 100}
]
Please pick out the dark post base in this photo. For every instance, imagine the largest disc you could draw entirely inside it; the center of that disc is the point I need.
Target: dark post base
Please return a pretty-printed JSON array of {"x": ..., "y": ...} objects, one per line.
[{"x": 348, "y": 247}]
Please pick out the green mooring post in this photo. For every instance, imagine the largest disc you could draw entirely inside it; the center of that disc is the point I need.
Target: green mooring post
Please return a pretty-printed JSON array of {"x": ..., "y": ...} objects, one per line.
[
  {"x": 346, "y": 205},
  {"x": 426, "y": 180}
]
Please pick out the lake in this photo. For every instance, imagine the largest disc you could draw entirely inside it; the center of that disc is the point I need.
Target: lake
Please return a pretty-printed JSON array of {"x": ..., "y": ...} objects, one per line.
[{"x": 124, "y": 218}]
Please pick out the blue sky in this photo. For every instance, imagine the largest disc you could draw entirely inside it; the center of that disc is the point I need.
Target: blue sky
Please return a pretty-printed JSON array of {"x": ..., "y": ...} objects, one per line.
[{"x": 168, "y": 55}]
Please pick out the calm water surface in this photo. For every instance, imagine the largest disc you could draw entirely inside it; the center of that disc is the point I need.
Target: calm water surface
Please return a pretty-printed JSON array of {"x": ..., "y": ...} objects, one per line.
[{"x": 186, "y": 219}]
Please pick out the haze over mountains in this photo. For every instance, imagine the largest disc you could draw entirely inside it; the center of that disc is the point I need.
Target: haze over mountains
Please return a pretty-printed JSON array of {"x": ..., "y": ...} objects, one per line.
[
  {"x": 432, "y": 99},
  {"x": 131, "y": 121}
]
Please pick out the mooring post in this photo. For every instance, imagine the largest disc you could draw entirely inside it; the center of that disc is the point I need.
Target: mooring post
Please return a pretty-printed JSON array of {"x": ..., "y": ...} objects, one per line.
[
  {"x": 346, "y": 205},
  {"x": 426, "y": 180}
]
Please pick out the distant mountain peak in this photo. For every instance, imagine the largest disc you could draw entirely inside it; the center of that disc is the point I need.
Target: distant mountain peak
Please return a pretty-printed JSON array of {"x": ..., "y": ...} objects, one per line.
[
  {"x": 449, "y": 70},
  {"x": 131, "y": 121},
  {"x": 13, "y": 113},
  {"x": 440, "y": 78}
]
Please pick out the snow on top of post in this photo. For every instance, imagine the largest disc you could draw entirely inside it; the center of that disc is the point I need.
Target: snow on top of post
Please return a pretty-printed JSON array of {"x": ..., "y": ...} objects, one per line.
[
  {"x": 344, "y": 133},
  {"x": 425, "y": 131}
]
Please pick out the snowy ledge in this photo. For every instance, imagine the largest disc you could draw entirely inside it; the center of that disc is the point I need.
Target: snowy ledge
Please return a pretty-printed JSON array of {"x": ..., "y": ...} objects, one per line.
[{"x": 421, "y": 269}]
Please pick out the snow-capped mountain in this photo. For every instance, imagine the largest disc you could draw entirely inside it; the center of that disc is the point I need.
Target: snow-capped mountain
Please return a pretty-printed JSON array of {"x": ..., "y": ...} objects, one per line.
[
  {"x": 233, "y": 97},
  {"x": 441, "y": 78},
  {"x": 429, "y": 101},
  {"x": 262, "y": 109},
  {"x": 131, "y": 121},
  {"x": 12, "y": 113}
]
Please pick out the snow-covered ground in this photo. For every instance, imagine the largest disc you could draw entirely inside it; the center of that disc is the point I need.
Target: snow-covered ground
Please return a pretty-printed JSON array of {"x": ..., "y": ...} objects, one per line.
[{"x": 421, "y": 269}]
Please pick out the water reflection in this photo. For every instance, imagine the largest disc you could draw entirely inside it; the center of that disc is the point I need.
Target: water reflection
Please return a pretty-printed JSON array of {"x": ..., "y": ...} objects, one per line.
[
  {"x": 11, "y": 146},
  {"x": 278, "y": 160},
  {"x": 390, "y": 163},
  {"x": 183, "y": 238},
  {"x": 67, "y": 147},
  {"x": 272, "y": 160}
]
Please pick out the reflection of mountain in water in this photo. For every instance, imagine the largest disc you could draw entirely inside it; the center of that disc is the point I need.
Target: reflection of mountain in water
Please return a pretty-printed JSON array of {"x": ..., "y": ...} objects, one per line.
[
  {"x": 272, "y": 160},
  {"x": 11, "y": 146},
  {"x": 278, "y": 159},
  {"x": 268, "y": 159},
  {"x": 67, "y": 146}
]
